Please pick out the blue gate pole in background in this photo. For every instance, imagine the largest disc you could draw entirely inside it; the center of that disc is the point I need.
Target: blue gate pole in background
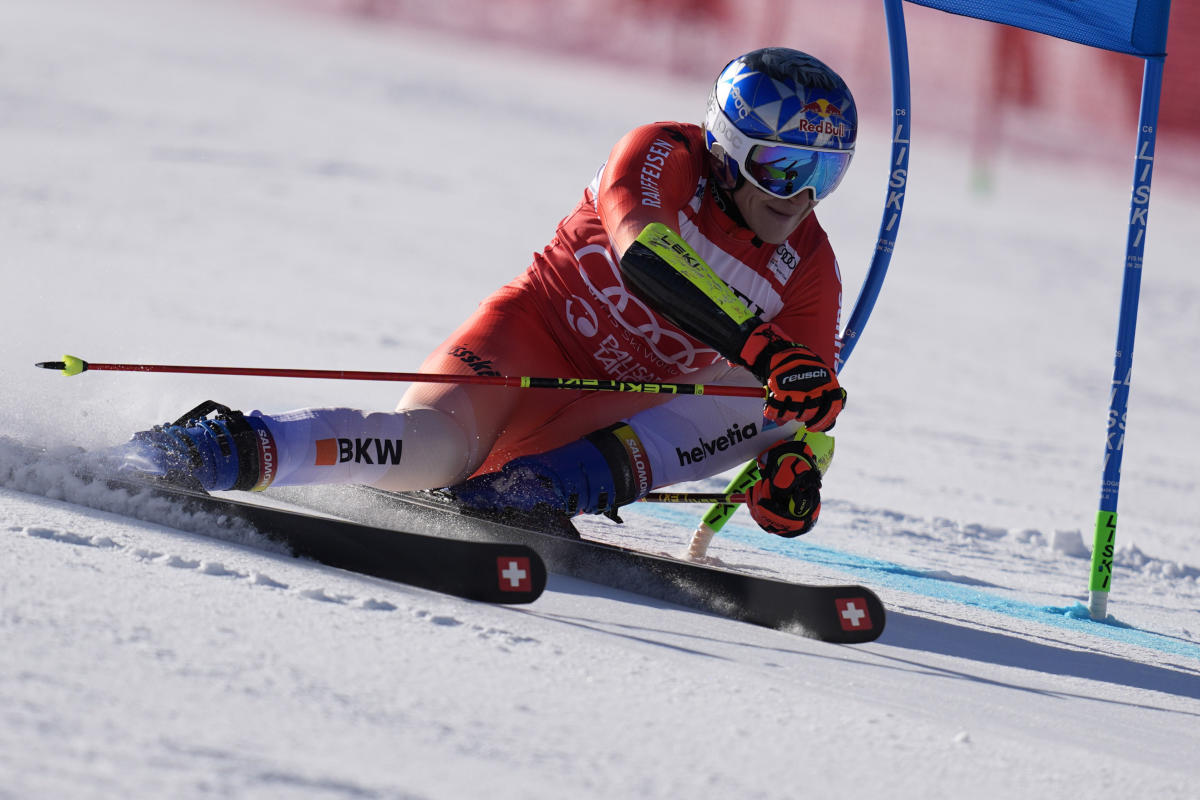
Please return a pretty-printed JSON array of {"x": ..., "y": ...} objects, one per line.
[
  {"x": 897, "y": 180},
  {"x": 1104, "y": 545}
]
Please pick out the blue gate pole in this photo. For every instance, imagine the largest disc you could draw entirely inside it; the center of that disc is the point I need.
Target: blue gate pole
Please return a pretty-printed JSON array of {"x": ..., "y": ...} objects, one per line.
[
  {"x": 1104, "y": 542},
  {"x": 897, "y": 181}
]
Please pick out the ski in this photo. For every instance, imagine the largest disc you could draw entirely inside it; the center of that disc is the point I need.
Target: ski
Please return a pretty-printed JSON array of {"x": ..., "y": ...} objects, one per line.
[
  {"x": 495, "y": 571},
  {"x": 846, "y": 614}
]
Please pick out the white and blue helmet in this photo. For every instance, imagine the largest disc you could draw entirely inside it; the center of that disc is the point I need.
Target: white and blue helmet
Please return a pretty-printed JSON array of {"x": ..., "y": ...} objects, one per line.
[{"x": 782, "y": 120}]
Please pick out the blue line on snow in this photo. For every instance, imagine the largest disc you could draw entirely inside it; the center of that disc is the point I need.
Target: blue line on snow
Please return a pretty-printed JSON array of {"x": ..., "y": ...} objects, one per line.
[{"x": 877, "y": 573}]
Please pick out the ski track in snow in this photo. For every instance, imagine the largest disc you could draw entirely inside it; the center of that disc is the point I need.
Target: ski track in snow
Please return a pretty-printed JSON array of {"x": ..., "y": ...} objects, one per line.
[
  {"x": 129, "y": 548},
  {"x": 1017, "y": 574},
  {"x": 657, "y": 529},
  {"x": 916, "y": 625}
]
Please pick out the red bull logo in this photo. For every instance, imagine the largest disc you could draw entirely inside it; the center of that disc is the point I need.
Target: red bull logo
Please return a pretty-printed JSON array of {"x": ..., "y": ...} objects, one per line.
[
  {"x": 824, "y": 127},
  {"x": 822, "y": 108}
]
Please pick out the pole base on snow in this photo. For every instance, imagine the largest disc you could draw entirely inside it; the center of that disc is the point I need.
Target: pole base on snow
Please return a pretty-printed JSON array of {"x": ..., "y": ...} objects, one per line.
[
  {"x": 1098, "y": 606},
  {"x": 700, "y": 540}
]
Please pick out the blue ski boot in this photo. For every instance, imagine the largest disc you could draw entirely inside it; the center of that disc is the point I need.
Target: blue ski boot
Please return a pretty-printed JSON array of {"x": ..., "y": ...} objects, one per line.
[
  {"x": 594, "y": 475},
  {"x": 226, "y": 451}
]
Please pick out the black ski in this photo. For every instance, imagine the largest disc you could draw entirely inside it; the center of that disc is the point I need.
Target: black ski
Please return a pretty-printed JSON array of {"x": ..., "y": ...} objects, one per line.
[
  {"x": 848, "y": 614},
  {"x": 495, "y": 571}
]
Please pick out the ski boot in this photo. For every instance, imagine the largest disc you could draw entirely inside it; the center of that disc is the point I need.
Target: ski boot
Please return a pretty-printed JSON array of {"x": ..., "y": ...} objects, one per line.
[
  {"x": 213, "y": 453},
  {"x": 594, "y": 475}
]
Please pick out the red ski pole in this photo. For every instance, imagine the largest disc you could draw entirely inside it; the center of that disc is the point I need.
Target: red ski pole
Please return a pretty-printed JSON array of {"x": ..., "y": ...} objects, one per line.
[{"x": 71, "y": 365}]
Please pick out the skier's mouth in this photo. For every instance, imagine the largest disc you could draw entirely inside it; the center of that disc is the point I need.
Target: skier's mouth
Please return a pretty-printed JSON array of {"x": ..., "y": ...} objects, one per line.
[{"x": 788, "y": 213}]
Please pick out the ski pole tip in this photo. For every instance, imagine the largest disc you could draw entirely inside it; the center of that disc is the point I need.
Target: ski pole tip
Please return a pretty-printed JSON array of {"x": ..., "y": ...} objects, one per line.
[{"x": 70, "y": 365}]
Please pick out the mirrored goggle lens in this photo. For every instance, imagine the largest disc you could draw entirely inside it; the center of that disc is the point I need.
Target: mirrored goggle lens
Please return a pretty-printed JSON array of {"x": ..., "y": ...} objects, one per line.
[{"x": 786, "y": 171}]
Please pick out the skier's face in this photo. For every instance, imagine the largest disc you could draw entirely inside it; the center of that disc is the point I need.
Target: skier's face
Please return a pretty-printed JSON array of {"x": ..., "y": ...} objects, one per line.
[{"x": 772, "y": 218}]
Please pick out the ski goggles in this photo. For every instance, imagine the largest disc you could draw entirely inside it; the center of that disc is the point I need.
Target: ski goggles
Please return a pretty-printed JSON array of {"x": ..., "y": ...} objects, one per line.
[
  {"x": 782, "y": 170},
  {"x": 787, "y": 170}
]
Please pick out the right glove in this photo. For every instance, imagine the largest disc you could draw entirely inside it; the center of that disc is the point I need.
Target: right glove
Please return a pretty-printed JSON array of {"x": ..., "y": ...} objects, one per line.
[
  {"x": 786, "y": 499},
  {"x": 800, "y": 385}
]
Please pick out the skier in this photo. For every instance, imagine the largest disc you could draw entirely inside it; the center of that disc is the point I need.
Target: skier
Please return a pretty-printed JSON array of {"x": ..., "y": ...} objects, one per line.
[{"x": 732, "y": 201}]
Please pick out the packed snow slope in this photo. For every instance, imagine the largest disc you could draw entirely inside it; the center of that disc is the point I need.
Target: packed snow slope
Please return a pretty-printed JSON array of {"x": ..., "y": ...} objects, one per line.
[{"x": 237, "y": 183}]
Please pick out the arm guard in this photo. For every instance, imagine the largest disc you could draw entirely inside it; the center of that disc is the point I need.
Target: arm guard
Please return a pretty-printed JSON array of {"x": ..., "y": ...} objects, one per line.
[{"x": 669, "y": 276}]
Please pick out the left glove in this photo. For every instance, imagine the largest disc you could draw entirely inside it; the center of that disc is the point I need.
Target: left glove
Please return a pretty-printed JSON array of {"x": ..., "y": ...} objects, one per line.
[
  {"x": 786, "y": 499},
  {"x": 800, "y": 385}
]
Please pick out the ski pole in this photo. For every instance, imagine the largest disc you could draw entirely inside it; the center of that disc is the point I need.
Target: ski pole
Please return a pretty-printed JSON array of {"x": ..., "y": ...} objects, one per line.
[
  {"x": 703, "y": 535},
  {"x": 695, "y": 497},
  {"x": 71, "y": 365}
]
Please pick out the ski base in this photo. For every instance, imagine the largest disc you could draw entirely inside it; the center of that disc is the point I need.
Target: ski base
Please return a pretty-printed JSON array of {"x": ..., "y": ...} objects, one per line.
[
  {"x": 847, "y": 614},
  {"x": 495, "y": 571}
]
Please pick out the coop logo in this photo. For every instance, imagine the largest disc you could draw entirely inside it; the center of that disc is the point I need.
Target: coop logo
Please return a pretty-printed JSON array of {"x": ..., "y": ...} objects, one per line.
[
  {"x": 360, "y": 451},
  {"x": 734, "y": 435}
]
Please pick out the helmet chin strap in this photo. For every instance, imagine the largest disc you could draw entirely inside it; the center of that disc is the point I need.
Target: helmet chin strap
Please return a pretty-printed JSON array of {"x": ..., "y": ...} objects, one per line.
[{"x": 724, "y": 199}]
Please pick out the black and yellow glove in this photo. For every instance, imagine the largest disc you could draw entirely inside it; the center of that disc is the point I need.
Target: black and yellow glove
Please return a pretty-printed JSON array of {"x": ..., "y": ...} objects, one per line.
[
  {"x": 801, "y": 386},
  {"x": 786, "y": 499}
]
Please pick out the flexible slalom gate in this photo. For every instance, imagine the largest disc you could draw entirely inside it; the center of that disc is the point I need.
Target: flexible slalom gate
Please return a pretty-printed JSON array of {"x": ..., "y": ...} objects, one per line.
[{"x": 1138, "y": 28}]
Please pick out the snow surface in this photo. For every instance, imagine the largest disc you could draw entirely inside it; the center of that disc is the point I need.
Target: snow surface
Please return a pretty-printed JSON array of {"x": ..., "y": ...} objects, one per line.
[{"x": 219, "y": 182}]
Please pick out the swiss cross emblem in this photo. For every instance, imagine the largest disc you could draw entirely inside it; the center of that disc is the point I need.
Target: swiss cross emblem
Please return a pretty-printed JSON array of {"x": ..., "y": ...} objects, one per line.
[
  {"x": 514, "y": 573},
  {"x": 852, "y": 612}
]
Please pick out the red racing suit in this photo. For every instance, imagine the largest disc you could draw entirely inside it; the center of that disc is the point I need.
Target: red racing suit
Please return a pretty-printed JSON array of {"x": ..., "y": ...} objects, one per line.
[
  {"x": 607, "y": 331},
  {"x": 570, "y": 314},
  {"x": 574, "y": 304}
]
